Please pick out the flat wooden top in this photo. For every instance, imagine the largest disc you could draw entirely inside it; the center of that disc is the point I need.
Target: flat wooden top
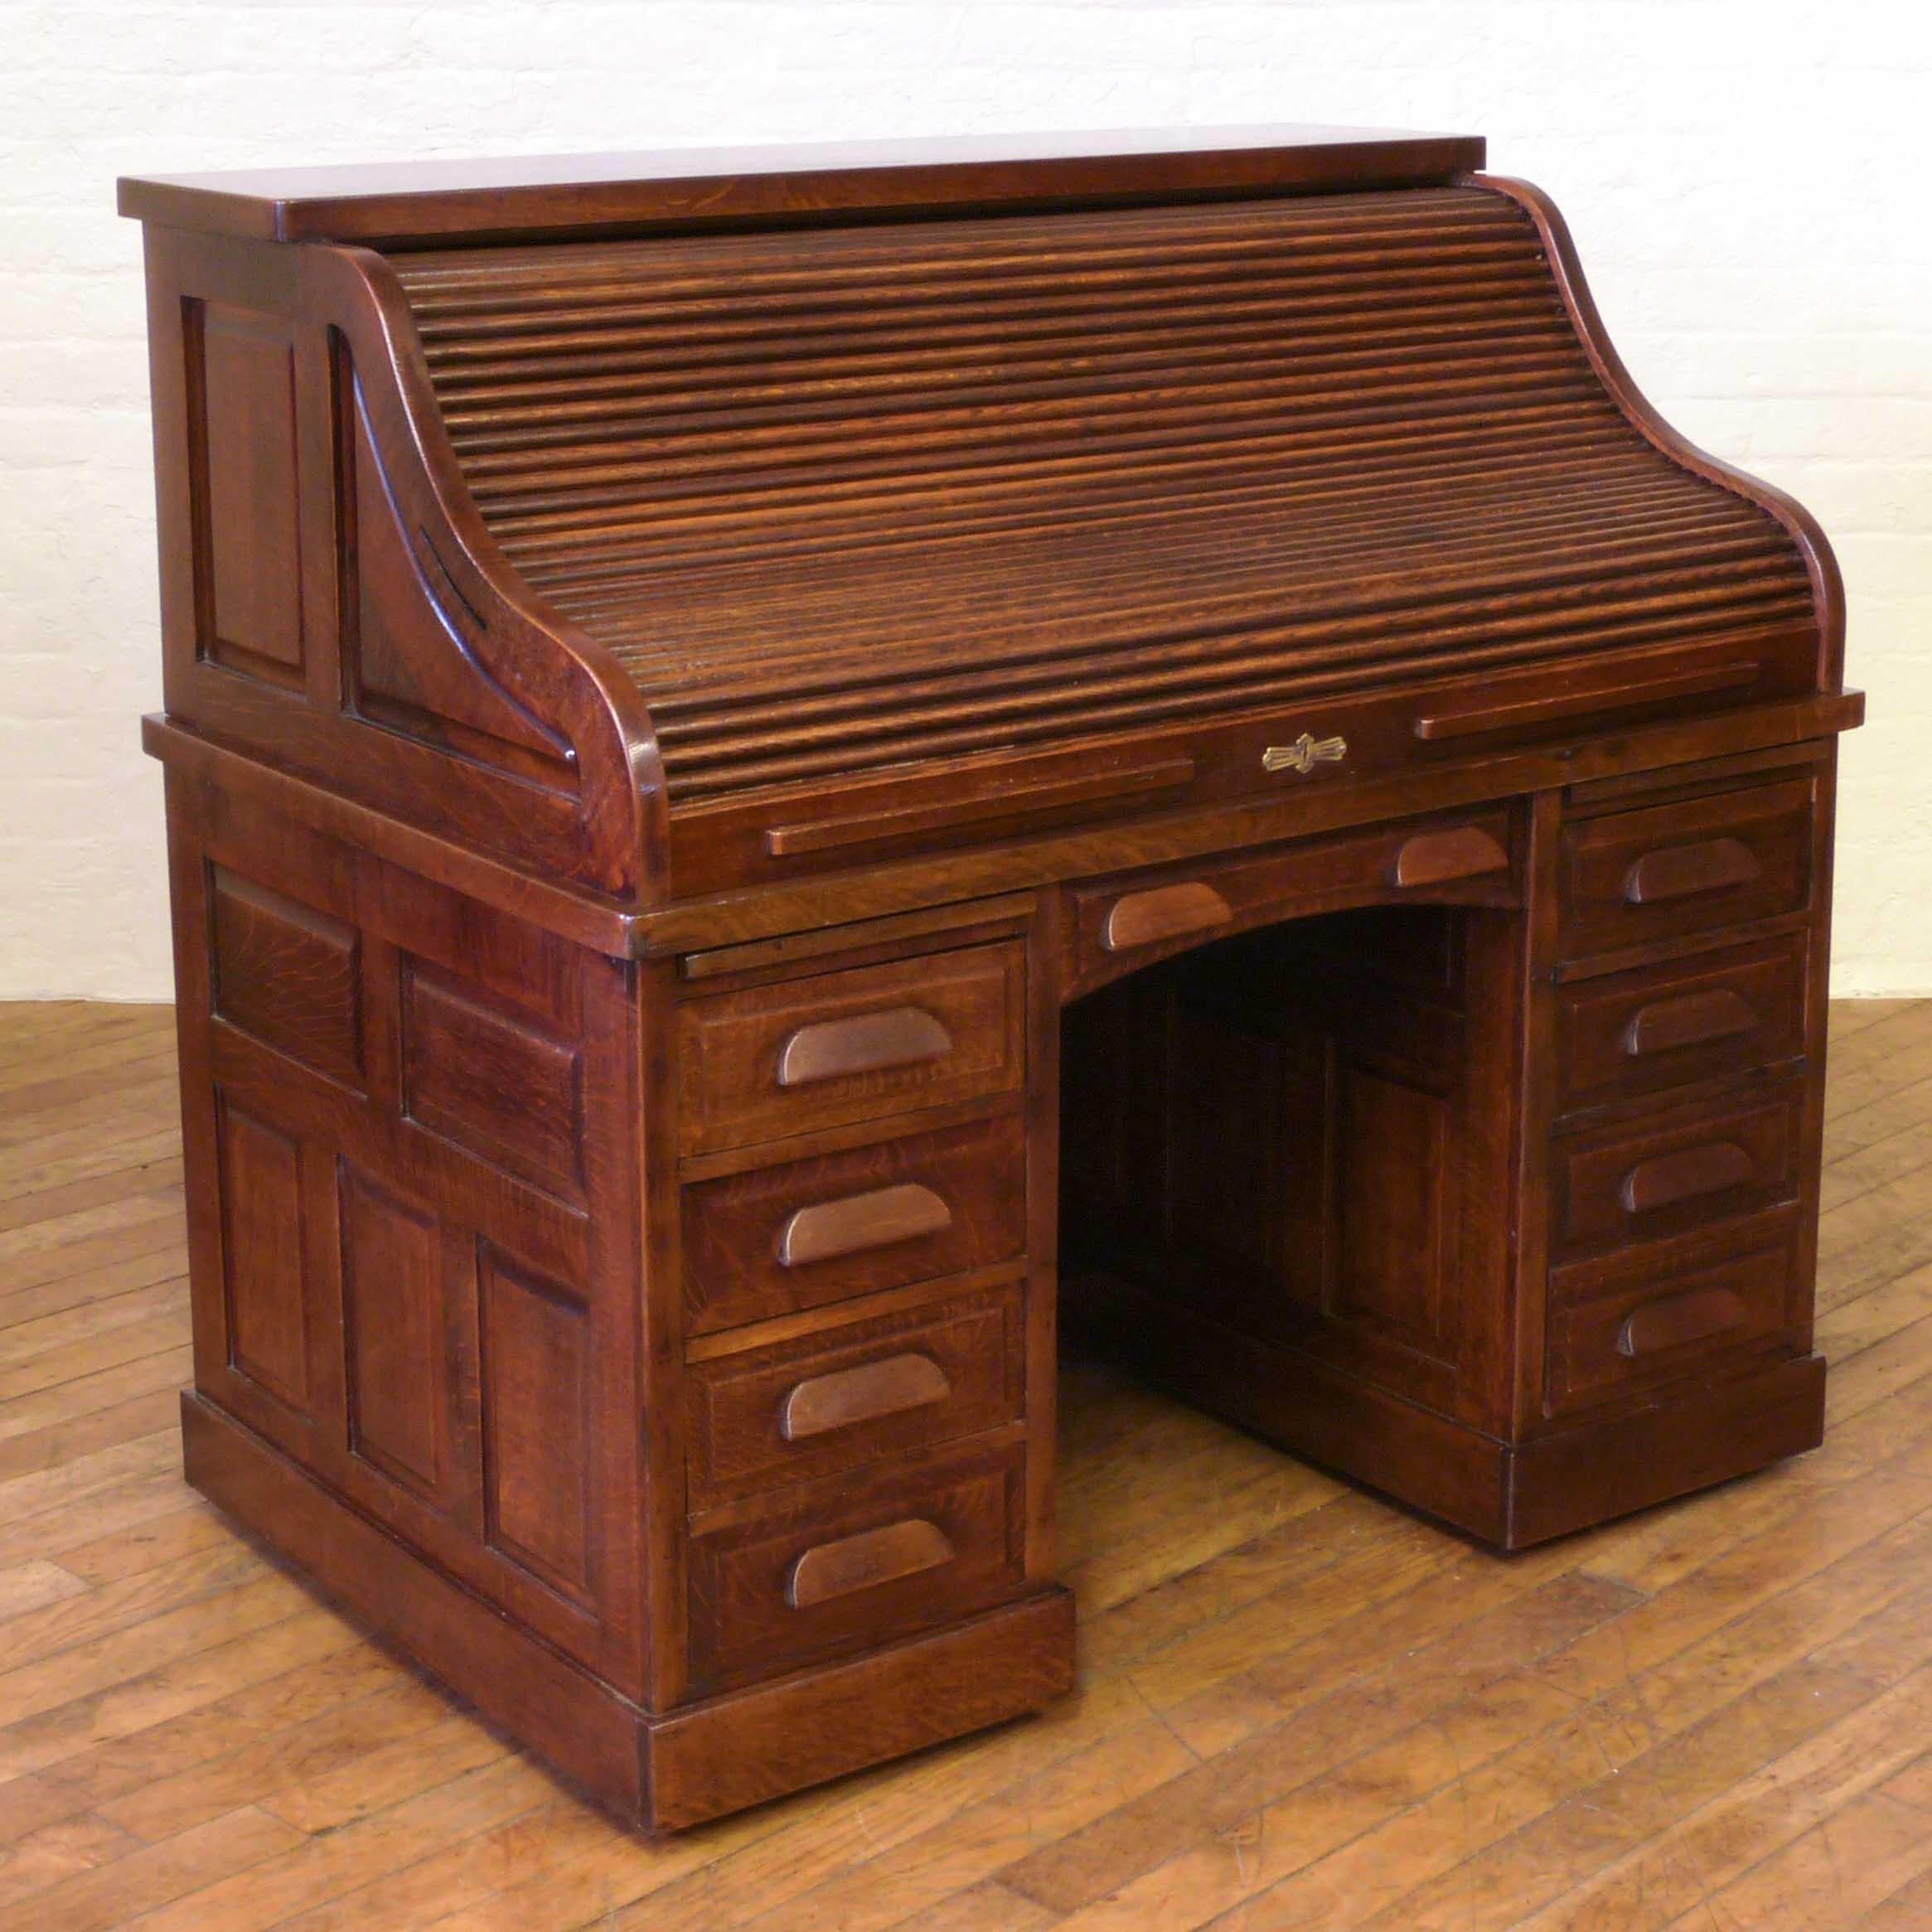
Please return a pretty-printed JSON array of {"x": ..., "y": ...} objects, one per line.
[{"x": 395, "y": 203}]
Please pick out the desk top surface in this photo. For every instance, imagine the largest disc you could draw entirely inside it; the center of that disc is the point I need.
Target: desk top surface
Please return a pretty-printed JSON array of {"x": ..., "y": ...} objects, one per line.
[{"x": 392, "y": 204}]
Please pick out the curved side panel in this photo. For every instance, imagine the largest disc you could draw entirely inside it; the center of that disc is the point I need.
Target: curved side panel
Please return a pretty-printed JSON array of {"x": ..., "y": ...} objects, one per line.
[
  {"x": 1827, "y": 586},
  {"x": 331, "y": 606},
  {"x": 534, "y": 665}
]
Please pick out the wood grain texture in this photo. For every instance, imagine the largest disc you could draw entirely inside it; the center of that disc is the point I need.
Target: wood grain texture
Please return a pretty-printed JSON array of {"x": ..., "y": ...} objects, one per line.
[
  {"x": 751, "y": 786},
  {"x": 853, "y": 1222},
  {"x": 1809, "y": 1588},
  {"x": 1114, "y": 330},
  {"x": 700, "y": 186}
]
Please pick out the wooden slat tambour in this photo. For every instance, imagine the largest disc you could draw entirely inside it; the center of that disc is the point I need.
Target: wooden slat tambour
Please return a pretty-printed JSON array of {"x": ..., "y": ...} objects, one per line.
[{"x": 853, "y": 497}]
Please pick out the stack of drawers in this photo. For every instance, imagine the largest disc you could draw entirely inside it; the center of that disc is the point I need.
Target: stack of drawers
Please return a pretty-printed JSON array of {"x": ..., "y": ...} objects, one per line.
[
  {"x": 1683, "y": 1101},
  {"x": 854, "y": 1216}
]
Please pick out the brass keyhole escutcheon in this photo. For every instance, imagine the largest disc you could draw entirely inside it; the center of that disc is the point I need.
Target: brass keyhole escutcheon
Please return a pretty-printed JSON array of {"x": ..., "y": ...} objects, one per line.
[{"x": 1305, "y": 754}]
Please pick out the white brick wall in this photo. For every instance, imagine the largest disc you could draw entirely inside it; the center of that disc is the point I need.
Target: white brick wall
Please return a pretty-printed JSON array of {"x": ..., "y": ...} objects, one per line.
[{"x": 1748, "y": 180}]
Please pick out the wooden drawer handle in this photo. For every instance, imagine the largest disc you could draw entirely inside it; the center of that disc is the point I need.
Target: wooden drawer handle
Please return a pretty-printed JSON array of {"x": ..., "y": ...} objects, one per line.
[
  {"x": 1435, "y": 858},
  {"x": 1142, "y": 918},
  {"x": 824, "y": 1402},
  {"x": 1681, "y": 872},
  {"x": 1672, "y": 1319},
  {"x": 1684, "y": 1175},
  {"x": 855, "y": 1223},
  {"x": 829, "y": 1049},
  {"x": 863, "y": 1562},
  {"x": 1688, "y": 1021}
]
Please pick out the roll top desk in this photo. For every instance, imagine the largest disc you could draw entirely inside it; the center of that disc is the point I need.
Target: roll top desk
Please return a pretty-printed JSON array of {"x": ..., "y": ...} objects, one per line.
[{"x": 785, "y": 772}]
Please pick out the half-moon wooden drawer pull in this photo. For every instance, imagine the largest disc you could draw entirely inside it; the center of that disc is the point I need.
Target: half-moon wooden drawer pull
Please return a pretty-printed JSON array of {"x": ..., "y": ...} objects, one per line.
[
  {"x": 1435, "y": 858},
  {"x": 855, "y": 1223},
  {"x": 1682, "y": 871},
  {"x": 1688, "y": 1021},
  {"x": 1673, "y": 1319},
  {"x": 863, "y": 1561},
  {"x": 829, "y": 1049},
  {"x": 824, "y": 1402},
  {"x": 1684, "y": 1175},
  {"x": 1143, "y": 918}
]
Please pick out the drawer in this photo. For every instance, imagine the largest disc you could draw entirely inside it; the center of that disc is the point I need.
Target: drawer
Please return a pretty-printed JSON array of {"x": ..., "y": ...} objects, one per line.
[
  {"x": 1632, "y": 877},
  {"x": 1645, "y": 1180},
  {"x": 1716, "y": 1013},
  {"x": 770, "y": 1060},
  {"x": 1117, "y": 927},
  {"x": 808, "y": 1582},
  {"x": 855, "y": 1394},
  {"x": 776, "y": 1240},
  {"x": 1646, "y": 1328}
]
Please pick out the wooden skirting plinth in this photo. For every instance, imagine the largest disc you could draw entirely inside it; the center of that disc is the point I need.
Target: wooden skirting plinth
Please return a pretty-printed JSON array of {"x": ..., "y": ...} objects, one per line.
[{"x": 662, "y": 1773}]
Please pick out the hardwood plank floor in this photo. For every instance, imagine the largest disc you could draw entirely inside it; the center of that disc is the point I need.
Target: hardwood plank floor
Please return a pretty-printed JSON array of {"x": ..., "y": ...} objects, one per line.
[{"x": 1298, "y": 1706}]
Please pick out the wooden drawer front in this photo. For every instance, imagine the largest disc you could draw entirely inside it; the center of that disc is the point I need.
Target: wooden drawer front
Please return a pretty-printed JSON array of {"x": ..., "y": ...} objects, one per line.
[
  {"x": 1649, "y": 1329},
  {"x": 779, "y": 1239},
  {"x": 797, "y": 1410},
  {"x": 1119, "y": 926},
  {"x": 1641, "y": 1182},
  {"x": 770, "y": 1595},
  {"x": 770, "y": 1060},
  {"x": 1632, "y": 877},
  {"x": 1717, "y": 1013}
]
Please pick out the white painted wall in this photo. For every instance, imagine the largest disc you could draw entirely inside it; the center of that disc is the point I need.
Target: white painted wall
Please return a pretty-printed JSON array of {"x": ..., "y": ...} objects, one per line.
[{"x": 1748, "y": 181}]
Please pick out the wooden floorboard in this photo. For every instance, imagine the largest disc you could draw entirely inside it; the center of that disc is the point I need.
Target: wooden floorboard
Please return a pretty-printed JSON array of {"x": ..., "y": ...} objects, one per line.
[{"x": 1298, "y": 1706}]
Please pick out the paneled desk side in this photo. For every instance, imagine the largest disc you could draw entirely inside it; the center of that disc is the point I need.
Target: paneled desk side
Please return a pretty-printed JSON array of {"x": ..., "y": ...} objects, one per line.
[{"x": 629, "y": 1239}]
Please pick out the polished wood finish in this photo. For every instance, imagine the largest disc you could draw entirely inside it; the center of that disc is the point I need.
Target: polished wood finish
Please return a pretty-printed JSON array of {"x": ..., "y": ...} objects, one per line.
[
  {"x": 785, "y": 1409},
  {"x": 1164, "y": 911},
  {"x": 771, "y": 758},
  {"x": 701, "y": 186},
  {"x": 847, "y": 1396},
  {"x": 1437, "y": 857},
  {"x": 192, "y": 1740},
  {"x": 854, "y": 1223},
  {"x": 865, "y": 1562}
]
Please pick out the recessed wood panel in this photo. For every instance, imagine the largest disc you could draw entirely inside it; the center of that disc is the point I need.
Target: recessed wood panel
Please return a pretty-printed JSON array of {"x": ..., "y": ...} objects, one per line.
[
  {"x": 1245, "y": 1159},
  {"x": 536, "y": 1423},
  {"x": 407, "y": 657},
  {"x": 262, "y": 1256},
  {"x": 286, "y": 973},
  {"x": 250, "y": 576},
  {"x": 1392, "y": 1182},
  {"x": 494, "y": 1081},
  {"x": 393, "y": 1337}
]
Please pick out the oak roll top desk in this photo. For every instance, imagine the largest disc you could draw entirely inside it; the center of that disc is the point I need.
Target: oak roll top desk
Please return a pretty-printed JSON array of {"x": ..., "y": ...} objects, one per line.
[{"x": 784, "y": 769}]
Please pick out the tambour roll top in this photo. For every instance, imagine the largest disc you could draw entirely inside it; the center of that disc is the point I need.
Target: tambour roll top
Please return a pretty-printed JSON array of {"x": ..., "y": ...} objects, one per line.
[{"x": 847, "y": 499}]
